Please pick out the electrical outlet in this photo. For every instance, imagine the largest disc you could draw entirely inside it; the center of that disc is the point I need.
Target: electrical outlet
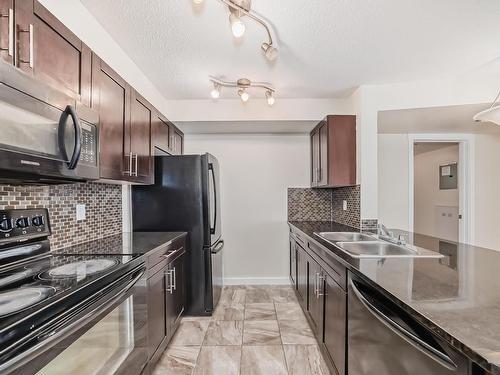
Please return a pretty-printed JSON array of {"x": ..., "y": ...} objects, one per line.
[
  {"x": 344, "y": 205},
  {"x": 80, "y": 212}
]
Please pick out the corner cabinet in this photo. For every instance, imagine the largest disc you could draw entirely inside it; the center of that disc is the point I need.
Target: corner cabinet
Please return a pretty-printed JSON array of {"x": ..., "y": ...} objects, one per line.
[
  {"x": 321, "y": 291},
  {"x": 333, "y": 152},
  {"x": 167, "y": 138}
]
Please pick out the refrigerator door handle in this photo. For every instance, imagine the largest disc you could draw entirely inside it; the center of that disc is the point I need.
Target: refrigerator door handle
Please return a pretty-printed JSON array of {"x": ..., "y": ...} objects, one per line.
[
  {"x": 218, "y": 247},
  {"x": 214, "y": 192}
]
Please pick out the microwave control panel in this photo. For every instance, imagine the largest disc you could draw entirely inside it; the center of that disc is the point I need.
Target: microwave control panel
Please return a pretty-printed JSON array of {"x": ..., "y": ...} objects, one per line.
[{"x": 89, "y": 144}]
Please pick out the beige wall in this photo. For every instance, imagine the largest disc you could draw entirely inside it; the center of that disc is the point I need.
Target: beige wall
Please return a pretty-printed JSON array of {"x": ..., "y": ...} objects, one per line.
[
  {"x": 256, "y": 171},
  {"x": 427, "y": 195},
  {"x": 393, "y": 180},
  {"x": 487, "y": 188}
]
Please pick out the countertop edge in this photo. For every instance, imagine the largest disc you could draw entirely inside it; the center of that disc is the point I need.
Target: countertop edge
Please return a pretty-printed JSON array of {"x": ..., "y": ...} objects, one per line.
[{"x": 419, "y": 317}]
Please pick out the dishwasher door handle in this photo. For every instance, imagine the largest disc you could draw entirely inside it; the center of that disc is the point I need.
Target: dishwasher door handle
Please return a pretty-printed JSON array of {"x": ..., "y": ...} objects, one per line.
[{"x": 409, "y": 337}]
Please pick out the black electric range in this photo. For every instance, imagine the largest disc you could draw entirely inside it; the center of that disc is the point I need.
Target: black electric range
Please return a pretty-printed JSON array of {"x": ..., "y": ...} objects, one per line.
[{"x": 43, "y": 293}]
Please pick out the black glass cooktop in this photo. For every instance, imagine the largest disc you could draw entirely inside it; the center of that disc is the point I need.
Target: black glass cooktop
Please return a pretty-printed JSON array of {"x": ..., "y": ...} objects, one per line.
[{"x": 33, "y": 286}]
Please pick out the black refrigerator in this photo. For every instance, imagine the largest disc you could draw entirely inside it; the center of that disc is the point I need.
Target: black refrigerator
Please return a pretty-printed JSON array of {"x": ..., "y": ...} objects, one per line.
[{"x": 186, "y": 197}]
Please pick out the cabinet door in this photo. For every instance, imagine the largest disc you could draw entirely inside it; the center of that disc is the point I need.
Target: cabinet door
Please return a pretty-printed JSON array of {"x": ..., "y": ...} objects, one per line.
[
  {"x": 161, "y": 133},
  {"x": 302, "y": 275},
  {"x": 323, "y": 155},
  {"x": 315, "y": 162},
  {"x": 177, "y": 145},
  {"x": 157, "y": 327},
  {"x": 315, "y": 302},
  {"x": 114, "y": 111},
  {"x": 335, "y": 323},
  {"x": 137, "y": 141},
  {"x": 7, "y": 30},
  {"x": 176, "y": 293},
  {"x": 50, "y": 52},
  {"x": 293, "y": 262}
]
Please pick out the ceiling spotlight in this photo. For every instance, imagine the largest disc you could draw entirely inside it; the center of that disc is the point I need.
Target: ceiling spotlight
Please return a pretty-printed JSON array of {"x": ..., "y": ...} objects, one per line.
[
  {"x": 237, "y": 25},
  {"x": 244, "y": 96},
  {"x": 242, "y": 85},
  {"x": 215, "y": 93},
  {"x": 240, "y": 8},
  {"x": 197, "y": 2},
  {"x": 270, "y": 52},
  {"x": 270, "y": 98}
]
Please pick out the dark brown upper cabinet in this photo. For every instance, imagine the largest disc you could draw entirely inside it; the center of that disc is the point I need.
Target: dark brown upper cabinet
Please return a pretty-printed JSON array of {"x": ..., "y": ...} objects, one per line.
[
  {"x": 125, "y": 127},
  {"x": 177, "y": 145},
  {"x": 40, "y": 45},
  {"x": 161, "y": 133},
  {"x": 137, "y": 141},
  {"x": 333, "y": 152},
  {"x": 111, "y": 95}
]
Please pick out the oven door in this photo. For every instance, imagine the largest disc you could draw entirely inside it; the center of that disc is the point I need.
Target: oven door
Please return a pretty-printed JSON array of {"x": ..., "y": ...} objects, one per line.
[
  {"x": 104, "y": 337},
  {"x": 40, "y": 141}
]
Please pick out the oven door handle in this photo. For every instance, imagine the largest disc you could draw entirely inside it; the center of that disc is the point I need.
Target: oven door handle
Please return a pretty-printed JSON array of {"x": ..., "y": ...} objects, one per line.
[
  {"x": 70, "y": 111},
  {"x": 60, "y": 329}
]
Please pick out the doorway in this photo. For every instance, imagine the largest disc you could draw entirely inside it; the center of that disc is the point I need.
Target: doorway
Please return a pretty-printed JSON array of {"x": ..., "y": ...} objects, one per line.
[{"x": 439, "y": 183}]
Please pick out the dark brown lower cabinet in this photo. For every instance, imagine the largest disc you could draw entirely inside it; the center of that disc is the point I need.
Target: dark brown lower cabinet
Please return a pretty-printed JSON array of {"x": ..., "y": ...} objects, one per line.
[
  {"x": 315, "y": 300},
  {"x": 175, "y": 292},
  {"x": 302, "y": 275},
  {"x": 324, "y": 301},
  {"x": 293, "y": 262},
  {"x": 157, "y": 324},
  {"x": 166, "y": 296},
  {"x": 334, "y": 334}
]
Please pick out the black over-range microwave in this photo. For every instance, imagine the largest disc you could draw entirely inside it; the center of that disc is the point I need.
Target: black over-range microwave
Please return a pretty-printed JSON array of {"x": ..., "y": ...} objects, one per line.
[{"x": 45, "y": 135}]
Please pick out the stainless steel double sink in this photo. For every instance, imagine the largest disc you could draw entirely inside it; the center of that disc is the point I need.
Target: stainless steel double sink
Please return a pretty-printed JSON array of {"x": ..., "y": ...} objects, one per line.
[{"x": 361, "y": 245}]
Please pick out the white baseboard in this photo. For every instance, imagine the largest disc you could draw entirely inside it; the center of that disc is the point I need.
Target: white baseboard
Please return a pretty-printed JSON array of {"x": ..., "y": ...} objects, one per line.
[{"x": 256, "y": 281}]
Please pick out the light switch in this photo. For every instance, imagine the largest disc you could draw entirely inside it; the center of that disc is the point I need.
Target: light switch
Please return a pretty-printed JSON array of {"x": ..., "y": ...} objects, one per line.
[
  {"x": 80, "y": 212},
  {"x": 344, "y": 205}
]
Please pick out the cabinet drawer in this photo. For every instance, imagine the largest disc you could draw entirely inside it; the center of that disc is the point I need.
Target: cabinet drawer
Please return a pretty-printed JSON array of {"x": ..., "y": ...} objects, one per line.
[
  {"x": 161, "y": 255},
  {"x": 336, "y": 270}
]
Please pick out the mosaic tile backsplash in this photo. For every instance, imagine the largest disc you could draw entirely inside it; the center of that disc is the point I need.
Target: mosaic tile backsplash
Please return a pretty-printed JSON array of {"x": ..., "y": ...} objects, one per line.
[
  {"x": 306, "y": 204},
  {"x": 103, "y": 209}
]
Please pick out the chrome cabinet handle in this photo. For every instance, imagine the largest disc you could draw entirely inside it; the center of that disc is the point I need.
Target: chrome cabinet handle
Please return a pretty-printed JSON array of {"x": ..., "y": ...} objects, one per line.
[
  {"x": 136, "y": 173},
  {"x": 10, "y": 19},
  {"x": 316, "y": 285},
  {"x": 168, "y": 274},
  {"x": 31, "y": 32},
  {"x": 129, "y": 171},
  {"x": 174, "y": 277},
  {"x": 321, "y": 292}
]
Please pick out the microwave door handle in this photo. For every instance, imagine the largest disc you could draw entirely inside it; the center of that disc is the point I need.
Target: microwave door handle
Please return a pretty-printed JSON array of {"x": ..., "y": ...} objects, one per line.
[
  {"x": 75, "y": 157},
  {"x": 410, "y": 338}
]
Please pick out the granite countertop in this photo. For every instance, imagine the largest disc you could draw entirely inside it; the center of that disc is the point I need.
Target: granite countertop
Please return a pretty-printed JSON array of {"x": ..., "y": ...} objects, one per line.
[
  {"x": 457, "y": 297},
  {"x": 135, "y": 243}
]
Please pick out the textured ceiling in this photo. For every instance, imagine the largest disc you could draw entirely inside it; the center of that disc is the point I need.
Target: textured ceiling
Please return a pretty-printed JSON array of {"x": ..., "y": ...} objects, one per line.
[{"x": 327, "y": 47}]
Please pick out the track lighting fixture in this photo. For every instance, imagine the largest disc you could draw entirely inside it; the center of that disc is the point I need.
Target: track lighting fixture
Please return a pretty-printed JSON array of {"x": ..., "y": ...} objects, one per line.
[
  {"x": 240, "y": 8},
  {"x": 243, "y": 84}
]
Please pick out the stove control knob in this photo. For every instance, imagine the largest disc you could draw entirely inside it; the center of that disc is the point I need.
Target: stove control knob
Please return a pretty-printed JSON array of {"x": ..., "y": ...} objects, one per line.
[
  {"x": 5, "y": 225},
  {"x": 22, "y": 222},
  {"x": 37, "y": 221}
]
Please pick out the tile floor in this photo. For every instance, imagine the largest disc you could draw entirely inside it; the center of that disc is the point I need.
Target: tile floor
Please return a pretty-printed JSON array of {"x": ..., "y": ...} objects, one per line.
[{"x": 255, "y": 330}]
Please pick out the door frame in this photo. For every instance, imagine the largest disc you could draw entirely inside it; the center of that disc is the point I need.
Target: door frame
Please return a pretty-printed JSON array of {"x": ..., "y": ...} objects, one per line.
[{"x": 466, "y": 183}]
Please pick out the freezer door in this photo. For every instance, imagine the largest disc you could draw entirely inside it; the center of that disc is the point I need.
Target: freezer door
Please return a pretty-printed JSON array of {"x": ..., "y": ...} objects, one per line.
[
  {"x": 214, "y": 216},
  {"x": 214, "y": 280}
]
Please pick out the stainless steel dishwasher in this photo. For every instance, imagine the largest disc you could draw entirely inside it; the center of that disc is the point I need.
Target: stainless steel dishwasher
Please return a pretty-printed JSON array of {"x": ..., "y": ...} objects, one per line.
[{"x": 384, "y": 339}]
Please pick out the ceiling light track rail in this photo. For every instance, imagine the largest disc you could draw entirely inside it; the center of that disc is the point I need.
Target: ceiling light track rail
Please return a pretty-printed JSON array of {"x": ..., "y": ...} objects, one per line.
[{"x": 242, "y": 85}]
